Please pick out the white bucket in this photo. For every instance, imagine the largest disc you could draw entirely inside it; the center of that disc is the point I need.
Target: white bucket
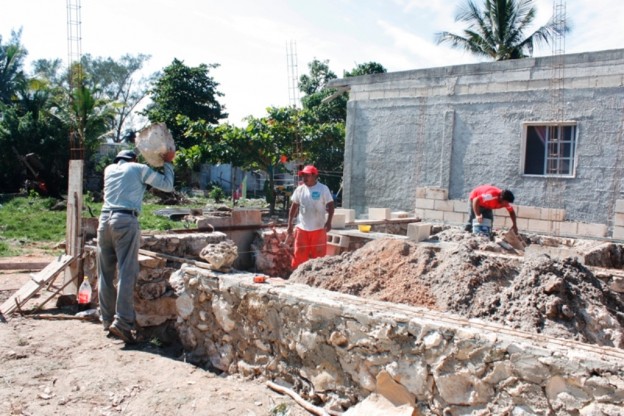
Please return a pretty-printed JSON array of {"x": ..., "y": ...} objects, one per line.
[
  {"x": 153, "y": 142},
  {"x": 484, "y": 228}
]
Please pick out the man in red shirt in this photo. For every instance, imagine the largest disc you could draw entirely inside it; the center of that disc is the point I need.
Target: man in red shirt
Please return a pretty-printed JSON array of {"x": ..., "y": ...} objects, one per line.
[{"x": 484, "y": 199}]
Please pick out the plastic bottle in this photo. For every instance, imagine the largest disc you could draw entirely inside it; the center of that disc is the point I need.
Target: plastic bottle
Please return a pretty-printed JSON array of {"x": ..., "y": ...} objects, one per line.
[{"x": 84, "y": 292}]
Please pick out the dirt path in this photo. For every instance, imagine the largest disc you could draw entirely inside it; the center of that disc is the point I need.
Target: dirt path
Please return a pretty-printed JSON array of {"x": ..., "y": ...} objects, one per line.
[{"x": 71, "y": 367}]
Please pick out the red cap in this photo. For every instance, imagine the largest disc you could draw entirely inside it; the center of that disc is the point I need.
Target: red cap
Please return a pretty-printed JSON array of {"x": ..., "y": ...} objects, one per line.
[{"x": 309, "y": 170}]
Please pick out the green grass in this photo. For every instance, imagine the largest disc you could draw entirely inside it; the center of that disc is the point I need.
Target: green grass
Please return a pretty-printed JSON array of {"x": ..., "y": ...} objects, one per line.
[{"x": 32, "y": 221}]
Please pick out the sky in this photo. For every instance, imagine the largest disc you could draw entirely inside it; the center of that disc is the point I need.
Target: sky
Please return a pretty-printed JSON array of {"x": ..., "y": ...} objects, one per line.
[{"x": 253, "y": 41}]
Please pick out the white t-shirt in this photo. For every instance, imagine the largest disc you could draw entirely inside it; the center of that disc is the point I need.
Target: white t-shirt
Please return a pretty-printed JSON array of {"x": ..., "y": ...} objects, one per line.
[{"x": 312, "y": 202}]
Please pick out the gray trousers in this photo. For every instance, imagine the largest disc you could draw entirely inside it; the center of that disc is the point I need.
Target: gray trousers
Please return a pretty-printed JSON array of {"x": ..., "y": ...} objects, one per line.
[{"x": 118, "y": 240}]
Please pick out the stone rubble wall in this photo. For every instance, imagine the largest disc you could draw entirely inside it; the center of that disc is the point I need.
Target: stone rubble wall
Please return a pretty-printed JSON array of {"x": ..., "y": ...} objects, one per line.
[
  {"x": 154, "y": 299},
  {"x": 335, "y": 347}
]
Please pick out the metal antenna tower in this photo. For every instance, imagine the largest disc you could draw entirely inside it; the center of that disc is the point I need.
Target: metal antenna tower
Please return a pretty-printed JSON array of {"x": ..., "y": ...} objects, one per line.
[
  {"x": 293, "y": 73},
  {"x": 73, "y": 235},
  {"x": 74, "y": 55},
  {"x": 558, "y": 51}
]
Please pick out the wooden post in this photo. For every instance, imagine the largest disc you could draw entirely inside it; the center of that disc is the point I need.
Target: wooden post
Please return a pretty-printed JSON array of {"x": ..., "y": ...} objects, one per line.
[{"x": 73, "y": 234}]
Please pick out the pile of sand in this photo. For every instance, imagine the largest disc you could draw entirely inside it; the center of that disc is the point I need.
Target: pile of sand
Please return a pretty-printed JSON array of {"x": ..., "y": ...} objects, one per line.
[{"x": 471, "y": 276}]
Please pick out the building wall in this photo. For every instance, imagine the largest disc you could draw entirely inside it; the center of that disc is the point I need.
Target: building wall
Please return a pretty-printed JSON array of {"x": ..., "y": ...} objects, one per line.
[{"x": 461, "y": 126}]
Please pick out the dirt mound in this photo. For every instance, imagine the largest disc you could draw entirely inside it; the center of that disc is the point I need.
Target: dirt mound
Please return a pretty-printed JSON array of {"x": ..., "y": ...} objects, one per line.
[{"x": 472, "y": 277}]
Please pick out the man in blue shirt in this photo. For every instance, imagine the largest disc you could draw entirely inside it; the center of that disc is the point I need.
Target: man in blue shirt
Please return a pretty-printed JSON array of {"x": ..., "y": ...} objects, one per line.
[{"x": 119, "y": 236}]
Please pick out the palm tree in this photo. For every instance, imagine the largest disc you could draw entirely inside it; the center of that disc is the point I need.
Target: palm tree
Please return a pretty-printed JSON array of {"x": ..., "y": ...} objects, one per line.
[{"x": 497, "y": 30}]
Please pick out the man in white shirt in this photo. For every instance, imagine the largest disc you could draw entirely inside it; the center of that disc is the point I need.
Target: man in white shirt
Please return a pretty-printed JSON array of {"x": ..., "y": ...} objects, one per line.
[{"x": 313, "y": 206}]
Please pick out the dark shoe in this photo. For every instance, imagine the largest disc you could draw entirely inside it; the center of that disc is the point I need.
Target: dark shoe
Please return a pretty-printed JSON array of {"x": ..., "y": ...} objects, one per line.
[
  {"x": 123, "y": 334},
  {"x": 107, "y": 325},
  {"x": 468, "y": 228}
]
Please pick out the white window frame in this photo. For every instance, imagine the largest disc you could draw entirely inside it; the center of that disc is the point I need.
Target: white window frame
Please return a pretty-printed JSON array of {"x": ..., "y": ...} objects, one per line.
[{"x": 554, "y": 160}]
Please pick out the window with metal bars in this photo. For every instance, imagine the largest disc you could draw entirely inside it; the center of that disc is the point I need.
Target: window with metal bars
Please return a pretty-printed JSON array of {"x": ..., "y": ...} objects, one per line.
[{"x": 550, "y": 149}]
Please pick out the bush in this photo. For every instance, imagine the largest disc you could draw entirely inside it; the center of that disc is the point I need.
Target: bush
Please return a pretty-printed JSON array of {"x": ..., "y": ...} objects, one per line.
[{"x": 217, "y": 194}]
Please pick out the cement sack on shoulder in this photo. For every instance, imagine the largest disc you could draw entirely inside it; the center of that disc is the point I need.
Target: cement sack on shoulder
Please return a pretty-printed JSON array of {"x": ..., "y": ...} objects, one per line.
[{"x": 154, "y": 141}]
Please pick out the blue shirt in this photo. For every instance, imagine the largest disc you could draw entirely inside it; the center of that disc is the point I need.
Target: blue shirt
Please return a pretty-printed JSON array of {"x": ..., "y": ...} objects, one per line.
[{"x": 125, "y": 183}]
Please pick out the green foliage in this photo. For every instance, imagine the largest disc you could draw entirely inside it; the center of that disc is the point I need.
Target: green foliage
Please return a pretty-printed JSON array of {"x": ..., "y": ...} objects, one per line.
[
  {"x": 497, "y": 29},
  {"x": 116, "y": 82},
  {"x": 217, "y": 194},
  {"x": 12, "y": 78},
  {"x": 185, "y": 91},
  {"x": 367, "y": 68}
]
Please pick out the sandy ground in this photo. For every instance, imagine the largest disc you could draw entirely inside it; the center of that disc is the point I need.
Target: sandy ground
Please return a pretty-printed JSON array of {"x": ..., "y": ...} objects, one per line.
[{"x": 71, "y": 367}]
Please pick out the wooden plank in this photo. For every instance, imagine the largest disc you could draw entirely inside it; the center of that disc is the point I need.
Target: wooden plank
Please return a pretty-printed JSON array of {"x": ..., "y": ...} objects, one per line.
[
  {"x": 37, "y": 281},
  {"x": 52, "y": 269}
]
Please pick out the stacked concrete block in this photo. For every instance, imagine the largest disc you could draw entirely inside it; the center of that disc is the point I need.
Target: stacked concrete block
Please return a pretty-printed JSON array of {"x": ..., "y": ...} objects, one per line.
[
  {"x": 338, "y": 221},
  {"x": 432, "y": 204},
  {"x": 336, "y": 243},
  {"x": 418, "y": 231},
  {"x": 348, "y": 213},
  {"x": 618, "y": 220},
  {"x": 379, "y": 213}
]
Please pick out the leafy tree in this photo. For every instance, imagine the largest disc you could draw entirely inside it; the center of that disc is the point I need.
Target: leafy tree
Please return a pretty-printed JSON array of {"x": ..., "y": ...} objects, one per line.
[
  {"x": 28, "y": 126},
  {"x": 324, "y": 118},
  {"x": 497, "y": 29},
  {"x": 12, "y": 76},
  {"x": 367, "y": 68},
  {"x": 188, "y": 92},
  {"x": 116, "y": 81},
  {"x": 262, "y": 144}
]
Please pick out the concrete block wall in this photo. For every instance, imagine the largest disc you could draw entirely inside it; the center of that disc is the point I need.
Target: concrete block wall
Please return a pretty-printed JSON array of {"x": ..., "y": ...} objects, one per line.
[
  {"x": 430, "y": 206},
  {"x": 618, "y": 220},
  {"x": 339, "y": 345},
  {"x": 435, "y": 127}
]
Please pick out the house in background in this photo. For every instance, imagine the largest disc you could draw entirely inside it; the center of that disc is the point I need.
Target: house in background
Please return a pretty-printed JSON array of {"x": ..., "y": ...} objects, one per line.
[{"x": 551, "y": 129}]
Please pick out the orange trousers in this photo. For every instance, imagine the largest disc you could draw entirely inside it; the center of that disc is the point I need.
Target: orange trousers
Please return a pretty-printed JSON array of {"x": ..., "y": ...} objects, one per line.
[{"x": 309, "y": 245}]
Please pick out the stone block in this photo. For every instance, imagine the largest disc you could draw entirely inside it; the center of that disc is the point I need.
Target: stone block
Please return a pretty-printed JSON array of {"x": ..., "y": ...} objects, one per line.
[
  {"x": 348, "y": 213},
  {"x": 592, "y": 230},
  {"x": 418, "y": 231},
  {"x": 619, "y": 206},
  {"x": 453, "y": 217},
  {"x": 540, "y": 226},
  {"x": 419, "y": 213},
  {"x": 534, "y": 213},
  {"x": 399, "y": 214},
  {"x": 151, "y": 262},
  {"x": 523, "y": 223},
  {"x": 564, "y": 228},
  {"x": 245, "y": 216},
  {"x": 436, "y": 193},
  {"x": 502, "y": 221},
  {"x": 332, "y": 250},
  {"x": 337, "y": 239},
  {"x": 421, "y": 193},
  {"x": 460, "y": 205},
  {"x": 432, "y": 214},
  {"x": 338, "y": 221},
  {"x": 618, "y": 219},
  {"x": 618, "y": 233},
  {"x": 379, "y": 213},
  {"x": 441, "y": 205},
  {"x": 553, "y": 214},
  {"x": 424, "y": 203}
]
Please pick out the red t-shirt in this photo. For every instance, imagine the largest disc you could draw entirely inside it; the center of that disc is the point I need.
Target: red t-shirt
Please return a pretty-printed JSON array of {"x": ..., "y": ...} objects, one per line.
[{"x": 487, "y": 197}]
